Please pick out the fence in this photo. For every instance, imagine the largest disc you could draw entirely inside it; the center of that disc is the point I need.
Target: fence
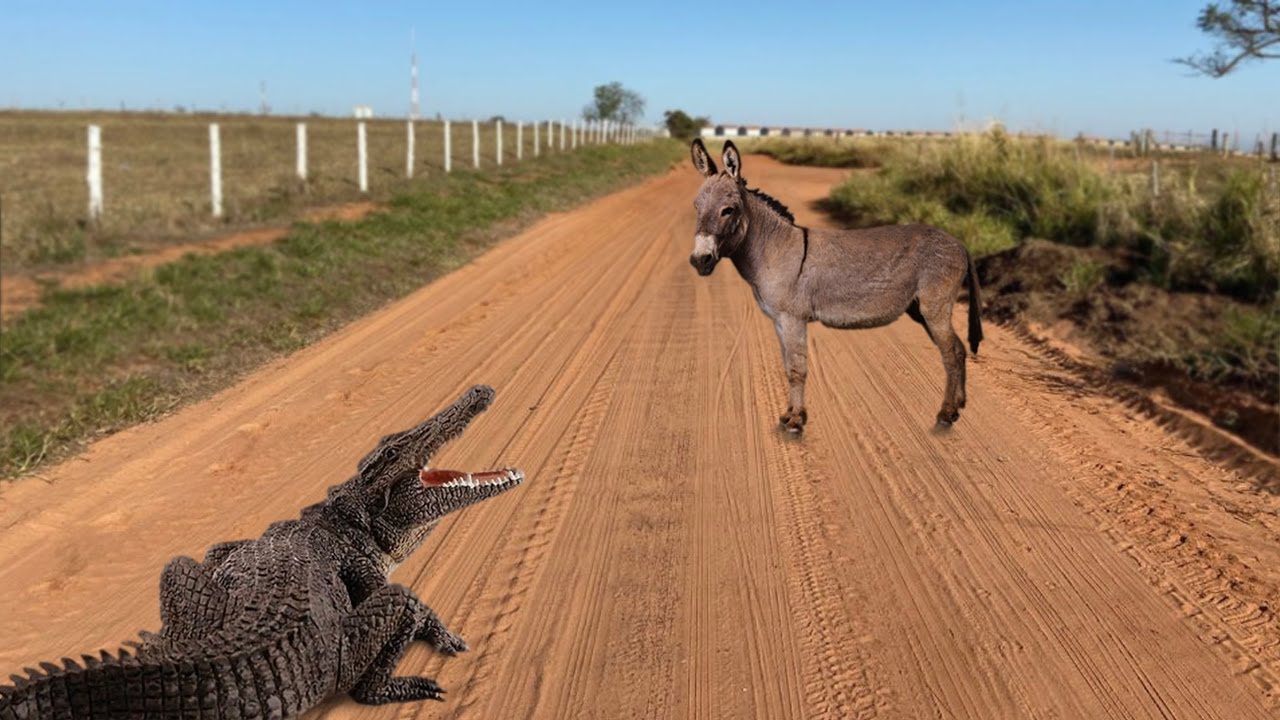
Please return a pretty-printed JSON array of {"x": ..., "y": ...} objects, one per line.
[
  {"x": 1140, "y": 142},
  {"x": 156, "y": 174}
]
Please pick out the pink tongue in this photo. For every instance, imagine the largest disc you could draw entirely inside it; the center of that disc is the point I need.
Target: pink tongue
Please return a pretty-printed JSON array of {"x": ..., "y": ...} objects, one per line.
[{"x": 434, "y": 477}]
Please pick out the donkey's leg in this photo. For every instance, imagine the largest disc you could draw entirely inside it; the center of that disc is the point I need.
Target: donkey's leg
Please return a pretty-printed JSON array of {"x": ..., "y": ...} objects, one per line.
[
  {"x": 793, "y": 336},
  {"x": 937, "y": 317},
  {"x": 913, "y": 312}
]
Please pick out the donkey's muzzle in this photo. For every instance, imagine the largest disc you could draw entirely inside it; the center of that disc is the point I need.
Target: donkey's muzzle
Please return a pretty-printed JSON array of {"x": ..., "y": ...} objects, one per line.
[{"x": 704, "y": 264}]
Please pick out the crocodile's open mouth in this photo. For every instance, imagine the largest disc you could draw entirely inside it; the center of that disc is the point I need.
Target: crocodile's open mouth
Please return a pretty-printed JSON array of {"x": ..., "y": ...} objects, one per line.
[{"x": 432, "y": 477}]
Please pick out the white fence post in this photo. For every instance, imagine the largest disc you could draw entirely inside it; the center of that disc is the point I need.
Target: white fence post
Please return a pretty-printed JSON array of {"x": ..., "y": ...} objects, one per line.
[
  {"x": 573, "y": 135},
  {"x": 302, "y": 151},
  {"x": 448, "y": 147},
  {"x": 94, "y": 175},
  {"x": 408, "y": 150},
  {"x": 536, "y": 149},
  {"x": 519, "y": 141},
  {"x": 215, "y": 169},
  {"x": 499, "y": 125},
  {"x": 475, "y": 143},
  {"x": 551, "y": 136},
  {"x": 362, "y": 156},
  {"x": 562, "y": 135}
]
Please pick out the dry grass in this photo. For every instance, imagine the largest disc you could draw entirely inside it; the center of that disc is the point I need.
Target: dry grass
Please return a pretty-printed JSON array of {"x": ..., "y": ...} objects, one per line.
[{"x": 156, "y": 175}]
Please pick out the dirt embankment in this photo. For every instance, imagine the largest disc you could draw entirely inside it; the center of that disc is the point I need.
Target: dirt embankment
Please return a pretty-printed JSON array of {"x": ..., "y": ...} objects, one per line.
[
  {"x": 1187, "y": 351},
  {"x": 1056, "y": 553}
]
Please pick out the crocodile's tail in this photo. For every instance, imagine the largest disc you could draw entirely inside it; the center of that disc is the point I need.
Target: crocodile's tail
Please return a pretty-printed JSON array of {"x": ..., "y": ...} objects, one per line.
[{"x": 275, "y": 681}]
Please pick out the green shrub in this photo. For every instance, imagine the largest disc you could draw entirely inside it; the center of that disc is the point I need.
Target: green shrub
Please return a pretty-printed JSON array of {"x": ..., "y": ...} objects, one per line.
[
  {"x": 824, "y": 152},
  {"x": 1219, "y": 230},
  {"x": 1083, "y": 277}
]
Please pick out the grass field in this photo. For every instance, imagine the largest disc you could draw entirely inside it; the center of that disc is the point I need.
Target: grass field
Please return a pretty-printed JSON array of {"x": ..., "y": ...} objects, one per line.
[
  {"x": 92, "y": 361},
  {"x": 156, "y": 175}
]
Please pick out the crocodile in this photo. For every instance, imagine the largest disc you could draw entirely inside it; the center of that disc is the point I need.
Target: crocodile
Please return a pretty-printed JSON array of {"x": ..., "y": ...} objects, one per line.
[{"x": 270, "y": 627}]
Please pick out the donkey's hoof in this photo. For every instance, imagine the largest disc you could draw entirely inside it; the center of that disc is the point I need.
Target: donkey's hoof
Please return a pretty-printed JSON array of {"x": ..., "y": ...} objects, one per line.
[
  {"x": 794, "y": 421},
  {"x": 947, "y": 416}
]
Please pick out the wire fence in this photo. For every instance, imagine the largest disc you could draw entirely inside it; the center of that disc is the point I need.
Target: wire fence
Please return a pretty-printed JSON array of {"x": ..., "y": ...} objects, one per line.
[{"x": 67, "y": 175}]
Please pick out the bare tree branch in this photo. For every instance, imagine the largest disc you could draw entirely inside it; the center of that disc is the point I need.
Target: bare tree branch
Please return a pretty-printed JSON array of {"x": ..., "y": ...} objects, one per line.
[{"x": 1245, "y": 30}]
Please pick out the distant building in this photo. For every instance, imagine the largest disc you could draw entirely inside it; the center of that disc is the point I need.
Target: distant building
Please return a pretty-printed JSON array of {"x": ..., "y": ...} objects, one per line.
[
  {"x": 362, "y": 111},
  {"x": 731, "y": 131}
]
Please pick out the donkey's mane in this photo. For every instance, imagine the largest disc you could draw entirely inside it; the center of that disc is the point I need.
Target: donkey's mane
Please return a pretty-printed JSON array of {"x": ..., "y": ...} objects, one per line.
[{"x": 772, "y": 202}]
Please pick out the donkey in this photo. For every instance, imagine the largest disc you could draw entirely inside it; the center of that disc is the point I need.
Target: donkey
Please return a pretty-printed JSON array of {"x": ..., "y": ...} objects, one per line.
[{"x": 849, "y": 279}]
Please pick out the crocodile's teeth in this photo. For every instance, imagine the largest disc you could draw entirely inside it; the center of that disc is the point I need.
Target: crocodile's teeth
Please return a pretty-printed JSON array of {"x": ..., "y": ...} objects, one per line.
[
  {"x": 471, "y": 480},
  {"x": 485, "y": 479}
]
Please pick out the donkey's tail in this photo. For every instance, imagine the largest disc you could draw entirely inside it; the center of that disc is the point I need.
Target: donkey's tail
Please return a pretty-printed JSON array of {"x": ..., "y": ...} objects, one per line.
[{"x": 975, "y": 307}]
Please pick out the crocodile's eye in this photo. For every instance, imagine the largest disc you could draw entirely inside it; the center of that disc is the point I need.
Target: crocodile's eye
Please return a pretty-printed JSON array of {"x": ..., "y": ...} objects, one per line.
[{"x": 728, "y": 211}]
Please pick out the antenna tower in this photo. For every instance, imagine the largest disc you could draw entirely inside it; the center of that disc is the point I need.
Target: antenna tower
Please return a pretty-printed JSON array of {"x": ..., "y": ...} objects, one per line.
[{"x": 413, "y": 75}]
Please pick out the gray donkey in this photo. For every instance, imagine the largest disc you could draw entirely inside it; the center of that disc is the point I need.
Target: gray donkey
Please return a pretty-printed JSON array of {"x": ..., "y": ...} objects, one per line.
[{"x": 840, "y": 278}]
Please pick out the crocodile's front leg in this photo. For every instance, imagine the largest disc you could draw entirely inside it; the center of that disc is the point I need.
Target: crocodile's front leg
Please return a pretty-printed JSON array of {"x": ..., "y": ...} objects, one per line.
[
  {"x": 375, "y": 636},
  {"x": 434, "y": 633},
  {"x": 363, "y": 579}
]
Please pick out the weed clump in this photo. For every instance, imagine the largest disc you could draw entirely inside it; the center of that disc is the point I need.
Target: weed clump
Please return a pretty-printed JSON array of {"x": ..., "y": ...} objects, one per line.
[{"x": 1216, "y": 231}]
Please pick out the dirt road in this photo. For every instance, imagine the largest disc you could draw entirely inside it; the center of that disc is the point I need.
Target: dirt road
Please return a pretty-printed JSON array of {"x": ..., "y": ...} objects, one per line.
[{"x": 673, "y": 555}]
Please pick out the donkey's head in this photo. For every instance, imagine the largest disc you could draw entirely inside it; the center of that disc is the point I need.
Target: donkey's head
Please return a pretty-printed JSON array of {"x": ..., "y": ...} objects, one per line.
[{"x": 721, "y": 207}]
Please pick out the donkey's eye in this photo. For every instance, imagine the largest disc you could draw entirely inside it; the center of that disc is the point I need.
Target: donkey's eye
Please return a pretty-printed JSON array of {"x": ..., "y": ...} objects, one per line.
[{"x": 727, "y": 212}]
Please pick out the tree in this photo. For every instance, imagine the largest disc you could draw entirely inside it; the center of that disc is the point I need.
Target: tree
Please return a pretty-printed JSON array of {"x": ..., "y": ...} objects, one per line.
[
  {"x": 614, "y": 102},
  {"x": 1245, "y": 30},
  {"x": 683, "y": 127}
]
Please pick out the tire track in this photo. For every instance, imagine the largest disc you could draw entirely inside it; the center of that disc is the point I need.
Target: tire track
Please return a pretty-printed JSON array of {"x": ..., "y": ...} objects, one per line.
[
  {"x": 538, "y": 533},
  {"x": 837, "y": 662},
  {"x": 1136, "y": 507}
]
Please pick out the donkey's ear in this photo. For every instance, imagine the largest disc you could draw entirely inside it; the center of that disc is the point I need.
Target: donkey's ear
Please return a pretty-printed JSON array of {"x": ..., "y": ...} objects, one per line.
[
  {"x": 701, "y": 158},
  {"x": 732, "y": 160}
]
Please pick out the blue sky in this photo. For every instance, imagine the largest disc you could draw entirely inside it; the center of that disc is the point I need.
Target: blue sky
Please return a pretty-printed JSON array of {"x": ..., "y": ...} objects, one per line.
[{"x": 1063, "y": 67}]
